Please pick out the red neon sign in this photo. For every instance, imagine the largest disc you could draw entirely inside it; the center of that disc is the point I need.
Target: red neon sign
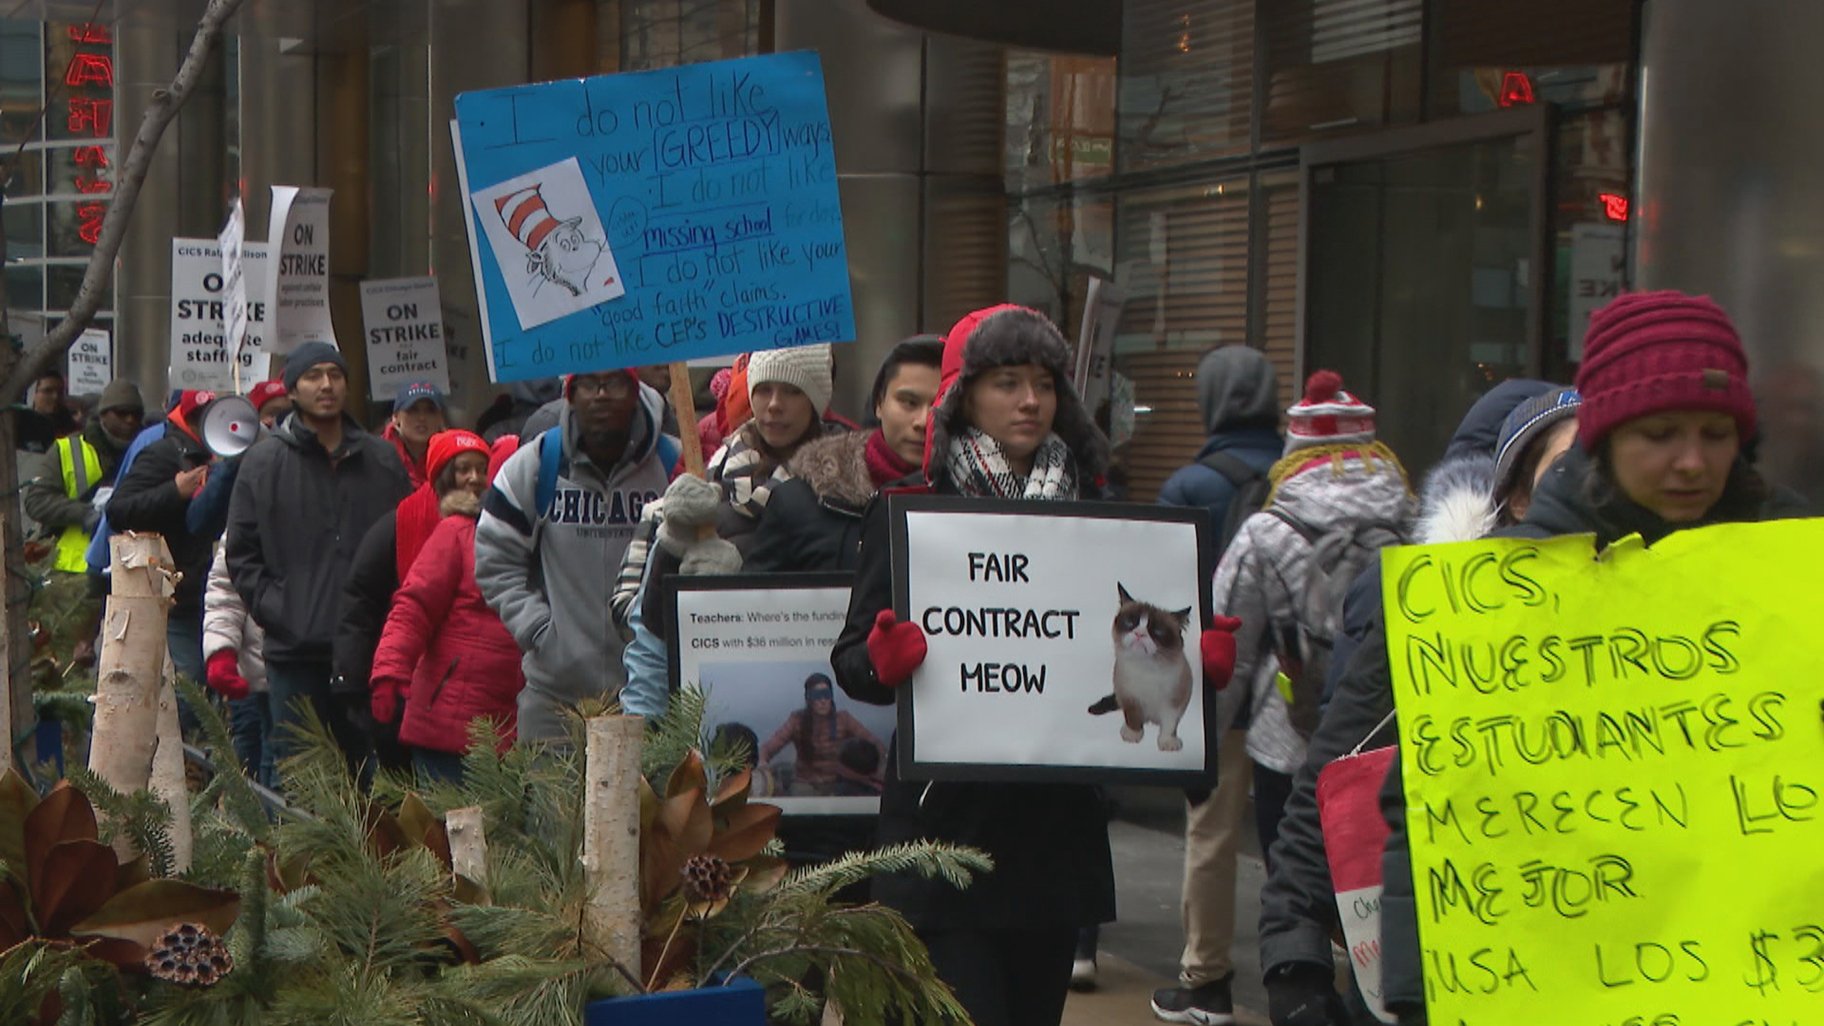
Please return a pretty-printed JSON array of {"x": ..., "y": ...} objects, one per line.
[
  {"x": 1516, "y": 90},
  {"x": 1614, "y": 206},
  {"x": 89, "y": 69},
  {"x": 89, "y": 113}
]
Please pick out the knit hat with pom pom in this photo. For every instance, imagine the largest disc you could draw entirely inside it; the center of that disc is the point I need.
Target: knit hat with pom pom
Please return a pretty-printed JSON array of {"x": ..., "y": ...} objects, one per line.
[{"x": 1328, "y": 415}]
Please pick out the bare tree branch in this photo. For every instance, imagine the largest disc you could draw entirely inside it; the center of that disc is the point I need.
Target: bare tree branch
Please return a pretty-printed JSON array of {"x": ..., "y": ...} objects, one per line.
[{"x": 128, "y": 182}]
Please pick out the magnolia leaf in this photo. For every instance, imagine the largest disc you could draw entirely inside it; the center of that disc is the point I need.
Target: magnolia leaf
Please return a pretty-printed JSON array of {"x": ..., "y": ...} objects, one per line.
[
  {"x": 385, "y": 834},
  {"x": 12, "y": 916},
  {"x": 689, "y": 775},
  {"x": 77, "y": 880},
  {"x": 130, "y": 873},
  {"x": 468, "y": 891},
  {"x": 701, "y": 910},
  {"x": 128, "y": 955},
  {"x": 17, "y": 800},
  {"x": 675, "y": 818},
  {"x": 649, "y": 807},
  {"x": 142, "y": 912},
  {"x": 763, "y": 873},
  {"x": 733, "y": 792},
  {"x": 660, "y": 860},
  {"x": 415, "y": 818},
  {"x": 63, "y": 815},
  {"x": 437, "y": 839},
  {"x": 747, "y": 832}
]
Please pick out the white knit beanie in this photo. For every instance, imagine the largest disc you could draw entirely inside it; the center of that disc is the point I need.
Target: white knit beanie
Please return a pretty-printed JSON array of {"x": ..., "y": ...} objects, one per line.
[{"x": 806, "y": 368}]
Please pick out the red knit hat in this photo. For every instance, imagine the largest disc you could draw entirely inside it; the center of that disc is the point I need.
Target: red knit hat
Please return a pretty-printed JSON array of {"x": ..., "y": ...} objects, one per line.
[
  {"x": 1328, "y": 415},
  {"x": 1650, "y": 352},
  {"x": 446, "y": 446},
  {"x": 265, "y": 392}
]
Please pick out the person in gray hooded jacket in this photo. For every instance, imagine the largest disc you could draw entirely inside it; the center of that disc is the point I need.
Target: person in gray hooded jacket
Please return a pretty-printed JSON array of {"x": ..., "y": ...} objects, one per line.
[{"x": 544, "y": 562}]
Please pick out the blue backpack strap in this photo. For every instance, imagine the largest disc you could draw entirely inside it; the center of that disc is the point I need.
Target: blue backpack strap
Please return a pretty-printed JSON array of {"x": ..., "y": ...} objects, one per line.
[
  {"x": 670, "y": 451},
  {"x": 550, "y": 464}
]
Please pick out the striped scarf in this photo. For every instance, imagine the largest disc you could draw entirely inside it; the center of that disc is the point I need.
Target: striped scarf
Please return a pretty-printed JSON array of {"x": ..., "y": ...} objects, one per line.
[{"x": 979, "y": 468}]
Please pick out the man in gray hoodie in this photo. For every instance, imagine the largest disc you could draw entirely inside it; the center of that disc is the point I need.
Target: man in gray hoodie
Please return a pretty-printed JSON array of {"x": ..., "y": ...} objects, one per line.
[{"x": 553, "y": 528}]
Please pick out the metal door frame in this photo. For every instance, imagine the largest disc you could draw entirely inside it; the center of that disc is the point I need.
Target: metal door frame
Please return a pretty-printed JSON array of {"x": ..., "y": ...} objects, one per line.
[{"x": 1536, "y": 120}]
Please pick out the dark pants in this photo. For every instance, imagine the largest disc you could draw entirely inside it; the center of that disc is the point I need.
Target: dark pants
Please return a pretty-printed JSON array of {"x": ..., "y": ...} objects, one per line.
[
  {"x": 1006, "y": 977},
  {"x": 433, "y": 765},
  {"x": 295, "y": 686},
  {"x": 1271, "y": 790},
  {"x": 250, "y": 722},
  {"x": 184, "y": 637}
]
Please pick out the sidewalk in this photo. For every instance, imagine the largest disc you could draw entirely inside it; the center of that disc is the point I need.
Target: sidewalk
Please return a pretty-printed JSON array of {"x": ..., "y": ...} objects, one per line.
[{"x": 1122, "y": 995}]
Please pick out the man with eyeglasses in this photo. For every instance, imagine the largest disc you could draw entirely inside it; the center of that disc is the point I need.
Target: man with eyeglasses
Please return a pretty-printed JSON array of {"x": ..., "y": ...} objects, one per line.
[
  {"x": 303, "y": 498},
  {"x": 553, "y": 528}
]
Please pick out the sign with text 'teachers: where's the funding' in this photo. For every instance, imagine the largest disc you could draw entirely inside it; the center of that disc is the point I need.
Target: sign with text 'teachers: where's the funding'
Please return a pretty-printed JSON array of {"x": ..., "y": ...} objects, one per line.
[
  {"x": 654, "y": 216},
  {"x": 1613, "y": 769}
]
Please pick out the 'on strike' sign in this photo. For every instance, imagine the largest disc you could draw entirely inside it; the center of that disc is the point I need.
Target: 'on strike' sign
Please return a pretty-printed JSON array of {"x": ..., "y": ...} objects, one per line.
[
  {"x": 1613, "y": 769},
  {"x": 654, "y": 216}
]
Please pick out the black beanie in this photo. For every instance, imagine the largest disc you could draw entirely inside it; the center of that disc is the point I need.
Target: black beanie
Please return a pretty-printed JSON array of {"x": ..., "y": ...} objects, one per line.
[{"x": 308, "y": 355}]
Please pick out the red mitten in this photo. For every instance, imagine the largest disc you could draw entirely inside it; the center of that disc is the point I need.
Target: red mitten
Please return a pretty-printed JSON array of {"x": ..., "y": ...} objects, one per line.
[
  {"x": 896, "y": 649},
  {"x": 223, "y": 674},
  {"x": 1218, "y": 644},
  {"x": 386, "y": 700}
]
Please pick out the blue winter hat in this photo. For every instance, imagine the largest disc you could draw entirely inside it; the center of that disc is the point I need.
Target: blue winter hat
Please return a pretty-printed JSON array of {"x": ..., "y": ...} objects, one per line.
[
  {"x": 415, "y": 391},
  {"x": 1528, "y": 422}
]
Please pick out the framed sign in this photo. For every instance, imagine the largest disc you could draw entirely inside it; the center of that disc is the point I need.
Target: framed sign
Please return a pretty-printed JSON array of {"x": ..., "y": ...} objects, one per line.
[
  {"x": 1062, "y": 638},
  {"x": 759, "y": 647}
]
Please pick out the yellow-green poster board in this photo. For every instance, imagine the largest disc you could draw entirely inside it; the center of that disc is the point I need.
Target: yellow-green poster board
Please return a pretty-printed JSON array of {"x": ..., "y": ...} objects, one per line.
[{"x": 1614, "y": 776}]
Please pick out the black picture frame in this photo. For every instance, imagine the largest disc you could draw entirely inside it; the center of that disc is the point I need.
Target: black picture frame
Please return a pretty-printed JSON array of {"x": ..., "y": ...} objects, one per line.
[
  {"x": 912, "y": 768},
  {"x": 783, "y": 585}
]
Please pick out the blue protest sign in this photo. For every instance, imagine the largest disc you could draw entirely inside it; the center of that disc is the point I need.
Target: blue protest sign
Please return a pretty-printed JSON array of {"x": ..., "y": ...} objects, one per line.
[{"x": 654, "y": 216}]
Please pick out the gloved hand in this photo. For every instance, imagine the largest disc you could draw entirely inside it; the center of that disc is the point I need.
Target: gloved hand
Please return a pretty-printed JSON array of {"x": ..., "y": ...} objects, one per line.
[
  {"x": 223, "y": 674},
  {"x": 1218, "y": 644},
  {"x": 1302, "y": 995},
  {"x": 896, "y": 649},
  {"x": 388, "y": 701}
]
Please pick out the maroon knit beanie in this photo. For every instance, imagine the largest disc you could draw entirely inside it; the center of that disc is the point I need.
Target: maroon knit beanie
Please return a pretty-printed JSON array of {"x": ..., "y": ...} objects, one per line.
[{"x": 1650, "y": 352}]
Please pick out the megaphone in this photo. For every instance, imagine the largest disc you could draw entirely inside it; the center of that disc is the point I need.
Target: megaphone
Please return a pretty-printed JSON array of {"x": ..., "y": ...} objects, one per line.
[{"x": 230, "y": 425}]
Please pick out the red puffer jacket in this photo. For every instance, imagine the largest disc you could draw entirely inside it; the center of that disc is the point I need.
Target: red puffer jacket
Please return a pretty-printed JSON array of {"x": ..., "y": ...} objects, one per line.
[{"x": 445, "y": 651}]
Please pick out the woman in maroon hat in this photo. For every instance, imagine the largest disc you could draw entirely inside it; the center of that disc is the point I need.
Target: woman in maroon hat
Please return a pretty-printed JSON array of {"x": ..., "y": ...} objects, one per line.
[{"x": 1662, "y": 442}]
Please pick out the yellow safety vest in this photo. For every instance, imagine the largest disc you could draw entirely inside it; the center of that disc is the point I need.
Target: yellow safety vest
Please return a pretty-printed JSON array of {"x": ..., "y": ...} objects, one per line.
[{"x": 81, "y": 473}]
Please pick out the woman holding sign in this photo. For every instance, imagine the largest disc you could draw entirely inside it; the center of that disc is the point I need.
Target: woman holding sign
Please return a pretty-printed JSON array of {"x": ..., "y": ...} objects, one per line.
[
  {"x": 1666, "y": 416},
  {"x": 1007, "y": 425}
]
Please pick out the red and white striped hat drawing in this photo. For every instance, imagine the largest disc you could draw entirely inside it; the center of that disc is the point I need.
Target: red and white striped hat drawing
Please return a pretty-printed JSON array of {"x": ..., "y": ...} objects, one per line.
[{"x": 525, "y": 215}]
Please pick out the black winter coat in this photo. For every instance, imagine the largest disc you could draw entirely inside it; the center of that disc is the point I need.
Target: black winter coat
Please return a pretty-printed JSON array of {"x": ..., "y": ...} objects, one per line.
[
  {"x": 297, "y": 516},
  {"x": 147, "y": 499},
  {"x": 1049, "y": 841},
  {"x": 367, "y": 596},
  {"x": 813, "y": 520}
]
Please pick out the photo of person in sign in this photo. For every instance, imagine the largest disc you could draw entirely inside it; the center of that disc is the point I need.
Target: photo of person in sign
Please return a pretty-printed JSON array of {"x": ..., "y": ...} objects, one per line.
[{"x": 820, "y": 735}]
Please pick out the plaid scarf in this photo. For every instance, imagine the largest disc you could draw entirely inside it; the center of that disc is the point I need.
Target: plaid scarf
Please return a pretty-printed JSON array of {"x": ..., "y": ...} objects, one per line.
[{"x": 979, "y": 468}]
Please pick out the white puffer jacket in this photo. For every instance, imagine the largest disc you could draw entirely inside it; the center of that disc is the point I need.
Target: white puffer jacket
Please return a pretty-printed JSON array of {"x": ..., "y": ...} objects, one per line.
[
  {"x": 1267, "y": 565},
  {"x": 227, "y": 625}
]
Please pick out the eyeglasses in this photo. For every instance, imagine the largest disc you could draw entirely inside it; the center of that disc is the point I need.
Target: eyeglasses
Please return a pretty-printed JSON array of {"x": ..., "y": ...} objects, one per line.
[{"x": 617, "y": 386}]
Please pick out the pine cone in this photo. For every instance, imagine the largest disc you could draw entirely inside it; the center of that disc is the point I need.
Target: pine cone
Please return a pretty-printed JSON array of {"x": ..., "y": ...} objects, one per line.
[
  {"x": 707, "y": 878},
  {"x": 191, "y": 955}
]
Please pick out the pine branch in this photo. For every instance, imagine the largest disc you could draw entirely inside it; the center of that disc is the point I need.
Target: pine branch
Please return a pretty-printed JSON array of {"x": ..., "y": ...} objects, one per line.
[
  {"x": 230, "y": 782},
  {"x": 954, "y": 864},
  {"x": 142, "y": 817}
]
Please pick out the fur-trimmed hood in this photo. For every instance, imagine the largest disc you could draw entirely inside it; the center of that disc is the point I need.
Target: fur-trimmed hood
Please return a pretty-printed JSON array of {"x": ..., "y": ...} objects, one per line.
[
  {"x": 836, "y": 468},
  {"x": 1457, "y": 501},
  {"x": 459, "y": 501},
  {"x": 1001, "y": 336}
]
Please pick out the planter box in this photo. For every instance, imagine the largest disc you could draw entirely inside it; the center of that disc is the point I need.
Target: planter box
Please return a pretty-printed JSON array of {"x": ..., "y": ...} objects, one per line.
[{"x": 741, "y": 1003}]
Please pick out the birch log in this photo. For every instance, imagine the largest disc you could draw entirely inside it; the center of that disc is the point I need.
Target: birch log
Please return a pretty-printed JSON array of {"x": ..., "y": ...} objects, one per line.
[
  {"x": 468, "y": 844},
  {"x": 132, "y": 662},
  {"x": 611, "y": 837},
  {"x": 168, "y": 780}
]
